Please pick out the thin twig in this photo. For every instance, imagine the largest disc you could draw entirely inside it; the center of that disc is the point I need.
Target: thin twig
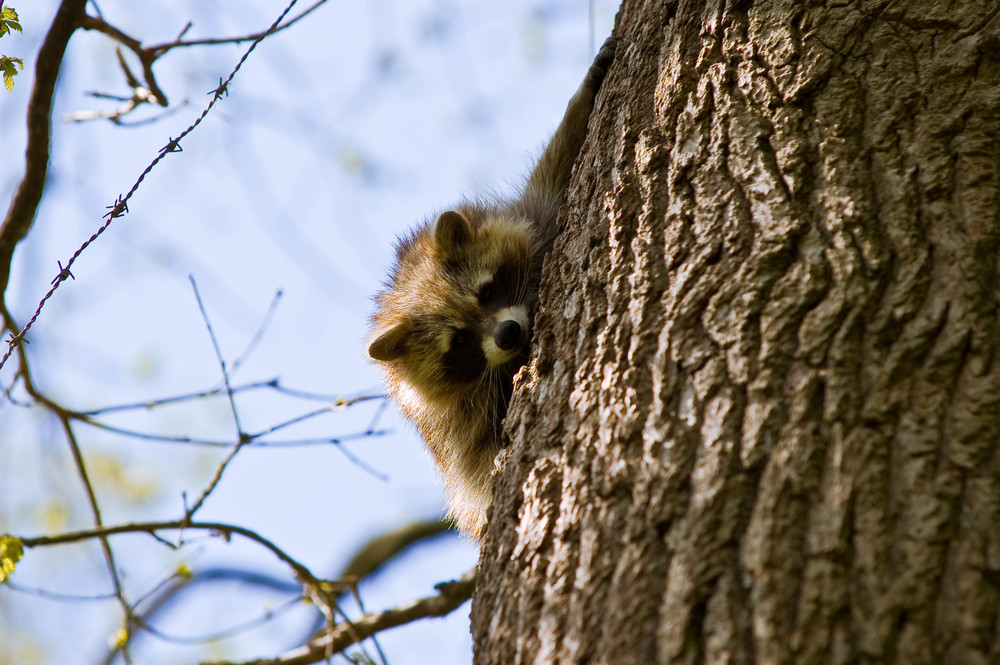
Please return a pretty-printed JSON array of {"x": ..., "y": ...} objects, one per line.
[
  {"x": 163, "y": 401},
  {"x": 302, "y": 573},
  {"x": 240, "y": 434},
  {"x": 67, "y": 424},
  {"x": 145, "y": 56},
  {"x": 241, "y": 437},
  {"x": 294, "y": 421},
  {"x": 219, "y": 443},
  {"x": 109, "y": 556},
  {"x": 57, "y": 596},
  {"x": 165, "y": 593},
  {"x": 160, "y": 49},
  {"x": 339, "y": 403},
  {"x": 378, "y": 647},
  {"x": 265, "y": 323},
  {"x": 266, "y": 617},
  {"x": 379, "y": 411}
]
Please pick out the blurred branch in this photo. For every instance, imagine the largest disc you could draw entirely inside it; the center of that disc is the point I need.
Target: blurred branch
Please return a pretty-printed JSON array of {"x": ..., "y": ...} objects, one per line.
[
  {"x": 57, "y": 596},
  {"x": 266, "y": 617},
  {"x": 168, "y": 593},
  {"x": 384, "y": 548},
  {"x": 378, "y": 552},
  {"x": 139, "y": 96},
  {"x": 241, "y": 436},
  {"x": 265, "y": 323},
  {"x": 451, "y": 595},
  {"x": 369, "y": 559},
  {"x": 102, "y": 533}
]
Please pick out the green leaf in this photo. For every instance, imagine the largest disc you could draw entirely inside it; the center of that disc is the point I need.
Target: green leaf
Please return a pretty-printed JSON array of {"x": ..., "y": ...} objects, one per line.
[
  {"x": 8, "y": 21},
  {"x": 10, "y": 66},
  {"x": 11, "y": 552}
]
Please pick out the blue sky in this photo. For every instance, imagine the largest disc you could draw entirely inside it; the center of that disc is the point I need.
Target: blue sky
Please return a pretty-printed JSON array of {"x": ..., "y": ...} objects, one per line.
[{"x": 336, "y": 136}]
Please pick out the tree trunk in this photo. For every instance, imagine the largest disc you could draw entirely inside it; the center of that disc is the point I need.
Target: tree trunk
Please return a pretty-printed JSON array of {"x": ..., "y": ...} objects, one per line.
[{"x": 761, "y": 423}]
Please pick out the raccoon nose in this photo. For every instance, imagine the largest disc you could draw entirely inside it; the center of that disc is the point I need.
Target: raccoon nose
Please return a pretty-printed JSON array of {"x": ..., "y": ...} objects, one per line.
[{"x": 508, "y": 334}]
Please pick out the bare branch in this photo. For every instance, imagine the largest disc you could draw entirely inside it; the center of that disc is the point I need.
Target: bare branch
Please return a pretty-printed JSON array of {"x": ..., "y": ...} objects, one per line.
[
  {"x": 149, "y": 404},
  {"x": 168, "y": 591},
  {"x": 259, "y": 334},
  {"x": 339, "y": 403},
  {"x": 451, "y": 595},
  {"x": 109, "y": 555},
  {"x": 218, "y": 443},
  {"x": 302, "y": 573},
  {"x": 146, "y": 57},
  {"x": 91, "y": 497},
  {"x": 149, "y": 91},
  {"x": 139, "y": 97},
  {"x": 241, "y": 437},
  {"x": 22, "y": 209},
  {"x": 266, "y": 617},
  {"x": 160, "y": 49}
]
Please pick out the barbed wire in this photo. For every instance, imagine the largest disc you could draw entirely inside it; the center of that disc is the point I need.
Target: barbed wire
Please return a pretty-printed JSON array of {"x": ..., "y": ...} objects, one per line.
[{"x": 120, "y": 206}]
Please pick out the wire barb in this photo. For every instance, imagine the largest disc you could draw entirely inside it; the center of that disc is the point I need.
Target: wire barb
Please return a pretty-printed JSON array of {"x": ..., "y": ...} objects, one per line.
[
  {"x": 119, "y": 208},
  {"x": 222, "y": 90},
  {"x": 64, "y": 273},
  {"x": 173, "y": 145}
]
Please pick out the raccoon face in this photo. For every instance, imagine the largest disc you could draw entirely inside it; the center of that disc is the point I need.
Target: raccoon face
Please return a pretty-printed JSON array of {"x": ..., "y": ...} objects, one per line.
[{"x": 468, "y": 305}]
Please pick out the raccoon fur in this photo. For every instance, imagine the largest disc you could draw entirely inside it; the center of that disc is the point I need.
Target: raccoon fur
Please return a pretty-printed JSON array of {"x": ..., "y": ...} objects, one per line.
[{"x": 453, "y": 323}]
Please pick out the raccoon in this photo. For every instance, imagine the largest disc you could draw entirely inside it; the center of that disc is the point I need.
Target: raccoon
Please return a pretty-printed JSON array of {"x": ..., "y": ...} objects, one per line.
[{"x": 453, "y": 323}]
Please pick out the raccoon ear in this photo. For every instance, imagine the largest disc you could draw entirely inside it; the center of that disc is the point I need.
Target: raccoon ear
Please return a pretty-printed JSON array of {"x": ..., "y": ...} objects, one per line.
[
  {"x": 390, "y": 344},
  {"x": 451, "y": 231}
]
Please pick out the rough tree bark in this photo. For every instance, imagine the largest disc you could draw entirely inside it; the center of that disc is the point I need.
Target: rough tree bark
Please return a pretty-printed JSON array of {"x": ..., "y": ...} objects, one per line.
[{"x": 761, "y": 425}]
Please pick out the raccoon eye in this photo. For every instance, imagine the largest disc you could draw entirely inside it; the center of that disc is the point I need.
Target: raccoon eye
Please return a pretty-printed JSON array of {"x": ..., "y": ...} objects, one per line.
[
  {"x": 459, "y": 339},
  {"x": 487, "y": 294}
]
